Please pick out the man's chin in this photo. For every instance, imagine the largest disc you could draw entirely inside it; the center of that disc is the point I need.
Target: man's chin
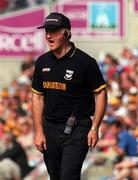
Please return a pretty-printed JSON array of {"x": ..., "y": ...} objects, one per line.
[{"x": 52, "y": 48}]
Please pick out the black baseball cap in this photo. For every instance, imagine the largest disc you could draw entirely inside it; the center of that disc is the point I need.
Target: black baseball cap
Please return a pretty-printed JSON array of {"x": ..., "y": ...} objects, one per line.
[{"x": 56, "y": 20}]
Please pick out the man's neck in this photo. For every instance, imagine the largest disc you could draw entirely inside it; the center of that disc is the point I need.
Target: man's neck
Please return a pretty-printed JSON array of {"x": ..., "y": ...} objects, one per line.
[{"x": 61, "y": 52}]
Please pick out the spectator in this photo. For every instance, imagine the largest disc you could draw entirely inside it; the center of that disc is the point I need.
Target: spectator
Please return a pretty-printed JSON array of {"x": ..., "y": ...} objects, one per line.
[
  {"x": 16, "y": 153},
  {"x": 126, "y": 169},
  {"x": 9, "y": 170},
  {"x": 29, "y": 61},
  {"x": 107, "y": 140},
  {"x": 126, "y": 57},
  {"x": 11, "y": 124},
  {"x": 26, "y": 136},
  {"x": 2, "y": 122},
  {"x": 126, "y": 144},
  {"x": 24, "y": 78}
]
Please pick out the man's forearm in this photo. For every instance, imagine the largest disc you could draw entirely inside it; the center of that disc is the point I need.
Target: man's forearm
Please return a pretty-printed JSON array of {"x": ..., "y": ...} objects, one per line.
[
  {"x": 37, "y": 111},
  {"x": 100, "y": 107},
  {"x": 118, "y": 150}
]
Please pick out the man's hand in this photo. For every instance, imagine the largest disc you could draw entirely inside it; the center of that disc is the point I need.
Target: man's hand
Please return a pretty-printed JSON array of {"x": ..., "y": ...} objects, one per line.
[
  {"x": 93, "y": 138},
  {"x": 40, "y": 141}
]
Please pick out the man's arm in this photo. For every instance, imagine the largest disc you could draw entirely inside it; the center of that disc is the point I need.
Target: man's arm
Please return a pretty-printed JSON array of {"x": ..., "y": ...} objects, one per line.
[
  {"x": 106, "y": 143},
  {"x": 100, "y": 107},
  {"x": 37, "y": 111},
  {"x": 126, "y": 164},
  {"x": 120, "y": 151}
]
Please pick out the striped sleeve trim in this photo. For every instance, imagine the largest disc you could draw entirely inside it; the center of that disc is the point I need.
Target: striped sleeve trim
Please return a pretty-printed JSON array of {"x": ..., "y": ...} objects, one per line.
[
  {"x": 100, "y": 88},
  {"x": 37, "y": 92}
]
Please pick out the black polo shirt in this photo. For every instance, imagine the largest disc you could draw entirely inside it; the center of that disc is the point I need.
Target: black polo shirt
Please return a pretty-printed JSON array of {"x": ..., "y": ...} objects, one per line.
[{"x": 67, "y": 81}]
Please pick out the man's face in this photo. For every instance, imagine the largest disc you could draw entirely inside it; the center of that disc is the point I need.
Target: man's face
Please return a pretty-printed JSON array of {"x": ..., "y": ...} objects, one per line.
[
  {"x": 55, "y": 39},
  {"x": 114, "y": 130}
]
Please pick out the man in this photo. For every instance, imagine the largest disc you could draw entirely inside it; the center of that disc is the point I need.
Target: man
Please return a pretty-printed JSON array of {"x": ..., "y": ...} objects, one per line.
[
  {"x": 9, "y": 170},
  {"x": 66, "y": 81},
  {"x": 128, "y": 168},
  {"x": 15, "y": 152},
  {"x": 126, "y": 144}
]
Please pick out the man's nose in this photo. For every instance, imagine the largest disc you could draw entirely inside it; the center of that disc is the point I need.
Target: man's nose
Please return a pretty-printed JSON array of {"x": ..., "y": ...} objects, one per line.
[{"x": 48, "y": 34}]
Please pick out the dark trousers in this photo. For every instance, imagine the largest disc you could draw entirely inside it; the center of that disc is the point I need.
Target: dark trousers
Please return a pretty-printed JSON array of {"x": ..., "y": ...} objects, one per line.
[{"x": 65, "y": 153}]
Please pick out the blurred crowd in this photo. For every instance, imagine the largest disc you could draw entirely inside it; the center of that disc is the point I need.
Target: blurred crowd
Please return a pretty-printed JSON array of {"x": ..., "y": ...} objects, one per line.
[
  {"x": 11, "y": 5},
  {"x": 16, "y": 126},
  {"x": 119, "y": 129},
  {"x": 118, "y": 132}
]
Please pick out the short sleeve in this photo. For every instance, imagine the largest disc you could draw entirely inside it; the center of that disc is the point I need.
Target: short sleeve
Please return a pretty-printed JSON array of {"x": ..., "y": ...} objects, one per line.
[
  {"x": 37, "y": 82},
  {"x": 93, "y": 76},
  {"x": 123, "y": 141}
]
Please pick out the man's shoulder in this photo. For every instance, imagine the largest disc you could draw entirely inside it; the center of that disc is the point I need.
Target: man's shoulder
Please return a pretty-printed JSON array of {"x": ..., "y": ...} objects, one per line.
[
  {"x": 43, "y": 57},
  {"x": 125, "y": 134},
  {"x": 84, "y": 56}
]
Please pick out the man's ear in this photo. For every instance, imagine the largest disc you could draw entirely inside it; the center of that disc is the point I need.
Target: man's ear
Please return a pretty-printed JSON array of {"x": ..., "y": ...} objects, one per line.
[{"x": 67, "y": 34}]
